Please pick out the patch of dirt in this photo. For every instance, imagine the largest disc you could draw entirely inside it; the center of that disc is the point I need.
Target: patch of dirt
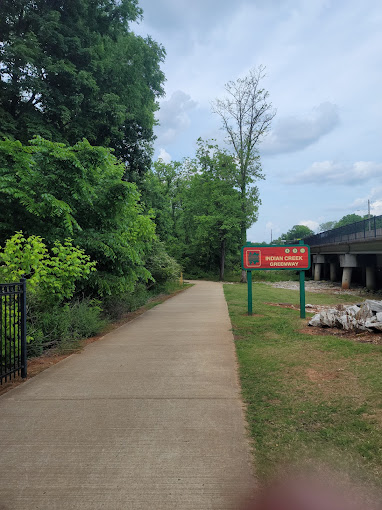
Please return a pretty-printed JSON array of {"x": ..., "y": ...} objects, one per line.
[
  {"x": 376, "y": 417},
  {"x": 308, "y": 308},
  {"x": 332, "y": 378},
  {"x": 363, "y": 337},
  {"x": 271, "y": 335},
  {"x": 283, "y": 305},
  {"x": 51, "y": 357},
  {"x": 253, "y": 315},
  {"x": 274, "y": 401},
  {"x": 315, "y": 376}
]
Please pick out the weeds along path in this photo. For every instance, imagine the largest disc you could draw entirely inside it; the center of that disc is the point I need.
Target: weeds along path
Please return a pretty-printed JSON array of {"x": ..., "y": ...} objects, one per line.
[{"x": 148, "y": 417}]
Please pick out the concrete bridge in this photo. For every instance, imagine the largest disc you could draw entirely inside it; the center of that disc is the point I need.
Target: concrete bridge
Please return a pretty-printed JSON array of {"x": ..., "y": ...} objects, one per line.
[{"x": 352, "y": 253}]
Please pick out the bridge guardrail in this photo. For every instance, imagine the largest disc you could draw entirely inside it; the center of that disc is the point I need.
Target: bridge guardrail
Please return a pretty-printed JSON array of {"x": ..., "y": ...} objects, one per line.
[{"x": 370, "y": 228}]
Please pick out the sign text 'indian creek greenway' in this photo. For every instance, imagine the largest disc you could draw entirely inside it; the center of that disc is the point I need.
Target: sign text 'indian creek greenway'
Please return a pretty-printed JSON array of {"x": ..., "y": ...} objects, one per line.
[
  {"x": 276, "y": 257},
  {"x": 293, "y": 257}
]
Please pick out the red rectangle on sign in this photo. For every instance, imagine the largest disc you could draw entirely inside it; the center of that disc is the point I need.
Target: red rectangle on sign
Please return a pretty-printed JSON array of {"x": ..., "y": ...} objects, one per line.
[{"x": 276, "y": 257}]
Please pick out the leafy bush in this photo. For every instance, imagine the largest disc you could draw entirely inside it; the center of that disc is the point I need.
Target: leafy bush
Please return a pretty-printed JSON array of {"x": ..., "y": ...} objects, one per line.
[
  {"x": 51, "y": 277},
  {"x": 162, "y": 267},
  {"x": 118, "y": 306},
  {"x": 63, "y": 325},
  {"x": 275, "y": 276}
]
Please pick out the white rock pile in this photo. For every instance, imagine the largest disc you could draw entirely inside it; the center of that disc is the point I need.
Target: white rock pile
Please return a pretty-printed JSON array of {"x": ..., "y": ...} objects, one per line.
[{"x": 366, "y": 316}]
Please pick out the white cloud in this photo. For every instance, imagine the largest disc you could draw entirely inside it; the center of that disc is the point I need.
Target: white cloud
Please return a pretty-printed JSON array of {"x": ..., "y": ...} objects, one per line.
[
  {"x": 164, "y": 155},
  {"x": 376, "y": 207},
  {"x": 360, "y": 205},
  {"x": 173, "y": 117},
  {"x": 313, "y": 225},
  {"x": 294, "y": 133},
  {"x": 330, "y": 172}
]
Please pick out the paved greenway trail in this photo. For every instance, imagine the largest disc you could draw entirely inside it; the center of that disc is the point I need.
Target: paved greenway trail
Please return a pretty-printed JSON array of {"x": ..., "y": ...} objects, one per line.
[{"x": 149, "y": 417}]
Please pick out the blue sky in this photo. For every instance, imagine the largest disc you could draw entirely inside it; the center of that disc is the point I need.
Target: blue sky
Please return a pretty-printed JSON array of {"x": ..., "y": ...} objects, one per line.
[{"x": 322, "y": 158}]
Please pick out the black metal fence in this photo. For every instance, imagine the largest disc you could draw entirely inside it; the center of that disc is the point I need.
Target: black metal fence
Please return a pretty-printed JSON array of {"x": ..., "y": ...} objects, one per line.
[
  {"x": 13, "y": 353},
  {"x": 370, "y": 228}
]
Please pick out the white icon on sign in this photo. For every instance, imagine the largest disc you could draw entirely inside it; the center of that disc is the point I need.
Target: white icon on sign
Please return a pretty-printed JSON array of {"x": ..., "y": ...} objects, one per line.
[
  {"x": 287, "y": 250},
  {"x": 295, "y": 250},
  {"x": 302, "y": 250}
]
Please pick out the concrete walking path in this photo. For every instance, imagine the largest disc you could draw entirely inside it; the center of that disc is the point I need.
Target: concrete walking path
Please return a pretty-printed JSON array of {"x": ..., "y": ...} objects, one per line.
[{"x": 148, "y": 417}]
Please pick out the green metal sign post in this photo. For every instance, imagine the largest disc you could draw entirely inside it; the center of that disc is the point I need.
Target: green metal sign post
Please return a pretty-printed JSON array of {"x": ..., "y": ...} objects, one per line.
[
  {"x": 291, "y": 257},
  {"x": 302, "y": 294},
  {"x": 249, "y": 282}
]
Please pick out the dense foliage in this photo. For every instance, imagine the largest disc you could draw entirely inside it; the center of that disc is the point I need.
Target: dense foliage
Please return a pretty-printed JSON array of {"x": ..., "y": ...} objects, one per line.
[
  {"x": 295, "y": 233},
  {"x": 55, "y": 191},
  {"x": 348, "y": 219},
  {"x": 71, "y": 70},
  {"x": 198, "y": 209}
]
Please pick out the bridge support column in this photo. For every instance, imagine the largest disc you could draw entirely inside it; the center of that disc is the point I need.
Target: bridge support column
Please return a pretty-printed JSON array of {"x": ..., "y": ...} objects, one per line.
[
  {"x": 319, "y": 261},
  {"x": 333, "y": 271},
  {"x": 317, "y": 272},
  {"x": 346, "y": 277},
  {"x": 371, "y": 281},
  {"x": 347, "y": 261}
]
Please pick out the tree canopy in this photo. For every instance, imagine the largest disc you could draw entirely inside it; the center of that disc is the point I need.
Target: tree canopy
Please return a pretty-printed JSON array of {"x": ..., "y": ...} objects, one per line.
[
  {"x": 348, "y": 219},
  {"x": 198, "y": 210},
  {"x": 327, "y": 225},
  {"x": 345, "y": 220},
  {"x": 57, "y": 191},
  {"x": 295, "y": 233},
  {"x": 73, "y": 70}
]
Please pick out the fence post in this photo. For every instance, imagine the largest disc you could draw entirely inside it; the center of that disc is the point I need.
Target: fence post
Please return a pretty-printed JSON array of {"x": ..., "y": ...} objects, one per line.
[
  {"x": 375, "y": 228},
  {"x": 23, "y": 328}
]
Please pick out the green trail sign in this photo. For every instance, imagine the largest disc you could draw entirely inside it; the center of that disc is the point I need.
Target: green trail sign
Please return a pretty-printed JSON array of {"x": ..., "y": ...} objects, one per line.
[{"x": 271, "y": 258}]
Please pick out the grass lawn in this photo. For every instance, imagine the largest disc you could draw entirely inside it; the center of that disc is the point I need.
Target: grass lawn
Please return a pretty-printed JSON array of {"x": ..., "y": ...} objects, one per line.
[{"x": 307, "y": 396}]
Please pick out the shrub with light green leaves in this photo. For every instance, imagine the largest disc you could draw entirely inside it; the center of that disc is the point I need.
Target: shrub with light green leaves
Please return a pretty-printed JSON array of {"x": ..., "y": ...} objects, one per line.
[
  {"x": 53, "y": 319},
  {"x": 51, "y": 275}
]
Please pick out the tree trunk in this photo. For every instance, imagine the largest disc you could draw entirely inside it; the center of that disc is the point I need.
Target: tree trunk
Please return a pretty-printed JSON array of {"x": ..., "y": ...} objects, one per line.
[
  {"x": 222, "y": 259},
  {"x": 243, "y": 278}
]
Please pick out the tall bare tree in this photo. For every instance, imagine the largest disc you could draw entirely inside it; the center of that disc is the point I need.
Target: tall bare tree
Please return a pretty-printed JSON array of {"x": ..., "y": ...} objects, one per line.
[{"x": 246, "y": 116}]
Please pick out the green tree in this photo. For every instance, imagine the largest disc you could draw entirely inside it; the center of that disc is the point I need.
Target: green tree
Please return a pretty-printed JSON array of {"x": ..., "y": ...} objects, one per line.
[
  {"x": 295, "y": 233},
  {"x": 246, "y": 117},
  {"x": 55, "y": 191},
  {"x": 212, "y": 211},
  {"x": 328, "y": 225},
  {"x": 162, "y": 191},
  {"x": 73, "y": 69},
  {"x": 348, "y": 219}
]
